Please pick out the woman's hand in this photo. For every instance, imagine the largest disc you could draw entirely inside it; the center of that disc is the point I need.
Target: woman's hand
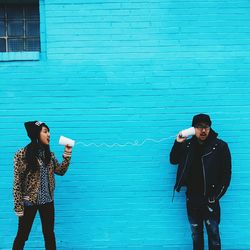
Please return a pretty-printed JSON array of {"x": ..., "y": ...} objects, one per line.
[
  {"x": 67, "y": 150},
  {"x": 19, "y": 214}
]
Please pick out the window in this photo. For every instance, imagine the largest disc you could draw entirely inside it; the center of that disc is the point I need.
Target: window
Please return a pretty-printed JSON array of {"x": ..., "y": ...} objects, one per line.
[{"x": 19, "y": 27}]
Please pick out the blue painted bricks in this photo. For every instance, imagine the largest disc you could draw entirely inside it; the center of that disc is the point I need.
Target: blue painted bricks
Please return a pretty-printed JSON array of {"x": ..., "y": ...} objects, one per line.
[{"x": 121, "y": 72}]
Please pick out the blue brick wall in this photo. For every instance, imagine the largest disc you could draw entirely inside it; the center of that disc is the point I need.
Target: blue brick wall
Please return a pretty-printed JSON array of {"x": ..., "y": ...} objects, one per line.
[{"x": 125, "y": 71}]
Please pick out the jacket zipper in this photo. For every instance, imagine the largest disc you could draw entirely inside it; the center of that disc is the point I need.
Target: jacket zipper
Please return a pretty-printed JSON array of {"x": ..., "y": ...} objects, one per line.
[
  {"x": 204, "y": 175},
  {"x": 220, "y": 192}
]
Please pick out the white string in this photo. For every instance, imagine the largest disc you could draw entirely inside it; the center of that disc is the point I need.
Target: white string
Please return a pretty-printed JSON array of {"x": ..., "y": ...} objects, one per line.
[{"x": 136, "y": 143}]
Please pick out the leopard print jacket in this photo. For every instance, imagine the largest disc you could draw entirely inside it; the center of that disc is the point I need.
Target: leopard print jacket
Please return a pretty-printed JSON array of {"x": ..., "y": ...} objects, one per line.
[{"x": 26, "y": 183}]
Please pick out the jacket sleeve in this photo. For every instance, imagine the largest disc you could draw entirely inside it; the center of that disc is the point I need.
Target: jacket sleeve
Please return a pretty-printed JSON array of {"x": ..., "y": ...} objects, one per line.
[
  {"x": 61, "y": 169},
  {"x": 226, "y": 172},
  {"x": 175, "y": 154},
  {"x": 19, "y": 167}
]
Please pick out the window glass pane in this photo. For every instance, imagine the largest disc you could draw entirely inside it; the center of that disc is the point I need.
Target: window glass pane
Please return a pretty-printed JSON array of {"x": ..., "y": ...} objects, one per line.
[
  {"x": 31, "y": 12},
  {"x": 32, "y": 28},
  {"x": 1, "y": 12},
  {"x": 14, "y": 11},
  {"x": 2, "y": 28},
  {"x": 15, "y": 28},
  {"x": 32, "y": 45},
  {"x": 2, "y": 45},
  {"x": 15, "y": 45},
  {"x": 19, "y": 26}
]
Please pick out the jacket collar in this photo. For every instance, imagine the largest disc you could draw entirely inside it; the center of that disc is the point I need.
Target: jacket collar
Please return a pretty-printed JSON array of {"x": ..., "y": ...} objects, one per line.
[{"x": 210, "y": 143}]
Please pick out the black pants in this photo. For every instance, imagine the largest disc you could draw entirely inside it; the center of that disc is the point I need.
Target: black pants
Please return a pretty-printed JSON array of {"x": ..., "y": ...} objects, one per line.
[
  {"x": 25, "y": 222},
  {"x": 200, "y": 211}
]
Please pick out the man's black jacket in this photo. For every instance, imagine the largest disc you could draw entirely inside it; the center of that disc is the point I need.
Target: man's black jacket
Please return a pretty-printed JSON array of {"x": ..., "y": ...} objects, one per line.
[{"x": 216, "y": 164}]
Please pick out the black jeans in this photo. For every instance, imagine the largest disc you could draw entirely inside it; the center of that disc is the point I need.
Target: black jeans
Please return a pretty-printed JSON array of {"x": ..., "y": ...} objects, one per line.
[
  {"x": 200, "y": 211},
  {"x": 25, "y": 222}
]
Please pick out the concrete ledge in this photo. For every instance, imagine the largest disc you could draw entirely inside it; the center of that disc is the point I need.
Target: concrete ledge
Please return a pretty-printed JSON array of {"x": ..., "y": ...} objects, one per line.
[{"x": 19, "y": 56}]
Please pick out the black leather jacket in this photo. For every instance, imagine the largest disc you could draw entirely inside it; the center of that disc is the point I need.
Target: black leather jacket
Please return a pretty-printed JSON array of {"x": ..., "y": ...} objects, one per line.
[{"x": 216, "y": 165}]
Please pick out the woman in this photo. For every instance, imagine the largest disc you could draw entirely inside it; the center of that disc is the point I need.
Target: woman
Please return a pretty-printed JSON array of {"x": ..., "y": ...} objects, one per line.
[{"x": 34, "y": 183}]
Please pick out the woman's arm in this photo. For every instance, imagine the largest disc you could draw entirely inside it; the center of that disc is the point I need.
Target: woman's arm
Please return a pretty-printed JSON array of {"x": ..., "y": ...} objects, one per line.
[
  {"x": 19, "y": 167},
  {"x": 62, "y": 168}
]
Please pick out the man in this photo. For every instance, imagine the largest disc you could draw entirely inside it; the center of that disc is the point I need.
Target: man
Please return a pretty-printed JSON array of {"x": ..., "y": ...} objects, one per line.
[{"x": 204, "y": 167}]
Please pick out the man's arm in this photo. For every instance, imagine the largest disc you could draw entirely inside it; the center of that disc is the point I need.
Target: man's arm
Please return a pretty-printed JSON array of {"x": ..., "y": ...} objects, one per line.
[
  {"x": 175, "y": 153},
  {"x": 225, "y": 174}
]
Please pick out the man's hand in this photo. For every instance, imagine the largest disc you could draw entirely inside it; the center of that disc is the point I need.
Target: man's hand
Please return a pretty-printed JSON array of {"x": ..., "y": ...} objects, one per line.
[{"x": 179, "y": 138}]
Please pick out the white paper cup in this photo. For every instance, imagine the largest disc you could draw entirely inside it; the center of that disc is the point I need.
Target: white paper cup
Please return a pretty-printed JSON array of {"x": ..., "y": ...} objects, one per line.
[
  {"x": 187, "y": 132},
  {"x": 66, "y": 141}
]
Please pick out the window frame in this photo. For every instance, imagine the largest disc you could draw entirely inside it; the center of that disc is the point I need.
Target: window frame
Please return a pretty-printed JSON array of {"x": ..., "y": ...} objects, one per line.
[{"x": 28, "y": 55}]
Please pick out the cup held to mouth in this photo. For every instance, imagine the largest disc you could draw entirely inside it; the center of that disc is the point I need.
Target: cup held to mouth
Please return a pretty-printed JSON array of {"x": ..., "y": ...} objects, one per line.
[
  {"x": 66, "y": 141},
  {"x": 187, "y": 132}
]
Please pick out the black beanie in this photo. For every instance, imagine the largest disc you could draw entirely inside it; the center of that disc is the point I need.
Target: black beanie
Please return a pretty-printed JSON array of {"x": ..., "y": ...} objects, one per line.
[
  {"x": 201, "y": 118},
  {"x": 33, "y": 129}
]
